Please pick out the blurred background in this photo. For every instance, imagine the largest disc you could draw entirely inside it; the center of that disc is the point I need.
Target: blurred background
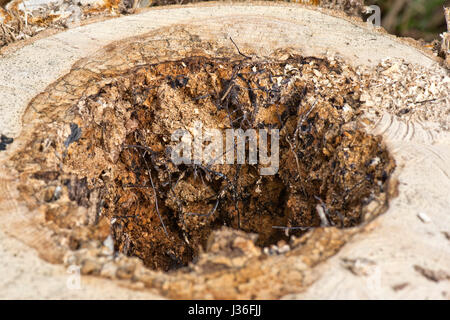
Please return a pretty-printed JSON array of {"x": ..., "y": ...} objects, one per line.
[{"x": 419, "y": 19}]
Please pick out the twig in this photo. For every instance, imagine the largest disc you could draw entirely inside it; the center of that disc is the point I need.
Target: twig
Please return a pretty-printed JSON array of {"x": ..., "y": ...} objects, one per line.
[
  {"x": 295, "y": 155},
  {"x": 136, "y": 146},
  {"x": 147, "y": 149},
  {"x": 155, "y": 196},
  {"x": 302, "y": 119},
  {"x": 211, "y": 212},
  {"x": 130, "y": 185},
  {"x": 292, "y": 228},
  {"x": 239, "y": 51},
  {"x": 429, "y": 100}
]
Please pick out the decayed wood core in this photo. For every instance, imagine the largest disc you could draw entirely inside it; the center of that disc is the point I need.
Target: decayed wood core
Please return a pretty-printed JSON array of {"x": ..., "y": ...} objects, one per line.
[{"x": 101, "y": 132}]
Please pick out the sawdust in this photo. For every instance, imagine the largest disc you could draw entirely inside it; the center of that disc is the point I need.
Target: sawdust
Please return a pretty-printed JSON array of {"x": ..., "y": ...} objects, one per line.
[{"x": 410, "y": 92}]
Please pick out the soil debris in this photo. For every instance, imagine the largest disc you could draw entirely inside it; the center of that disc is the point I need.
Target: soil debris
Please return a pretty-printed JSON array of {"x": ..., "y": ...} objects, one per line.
[
  {"x": 4, "y": 141},
  {"x": 446, "y": 234},
  {"x": 358, "y": 266},
  {"x": 400, "y": 286},
  {"x": 433, "y": 275}
]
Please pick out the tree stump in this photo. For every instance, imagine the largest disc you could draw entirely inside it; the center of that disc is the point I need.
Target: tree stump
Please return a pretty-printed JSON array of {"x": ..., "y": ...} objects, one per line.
[{"x": 68, "y": 101}]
